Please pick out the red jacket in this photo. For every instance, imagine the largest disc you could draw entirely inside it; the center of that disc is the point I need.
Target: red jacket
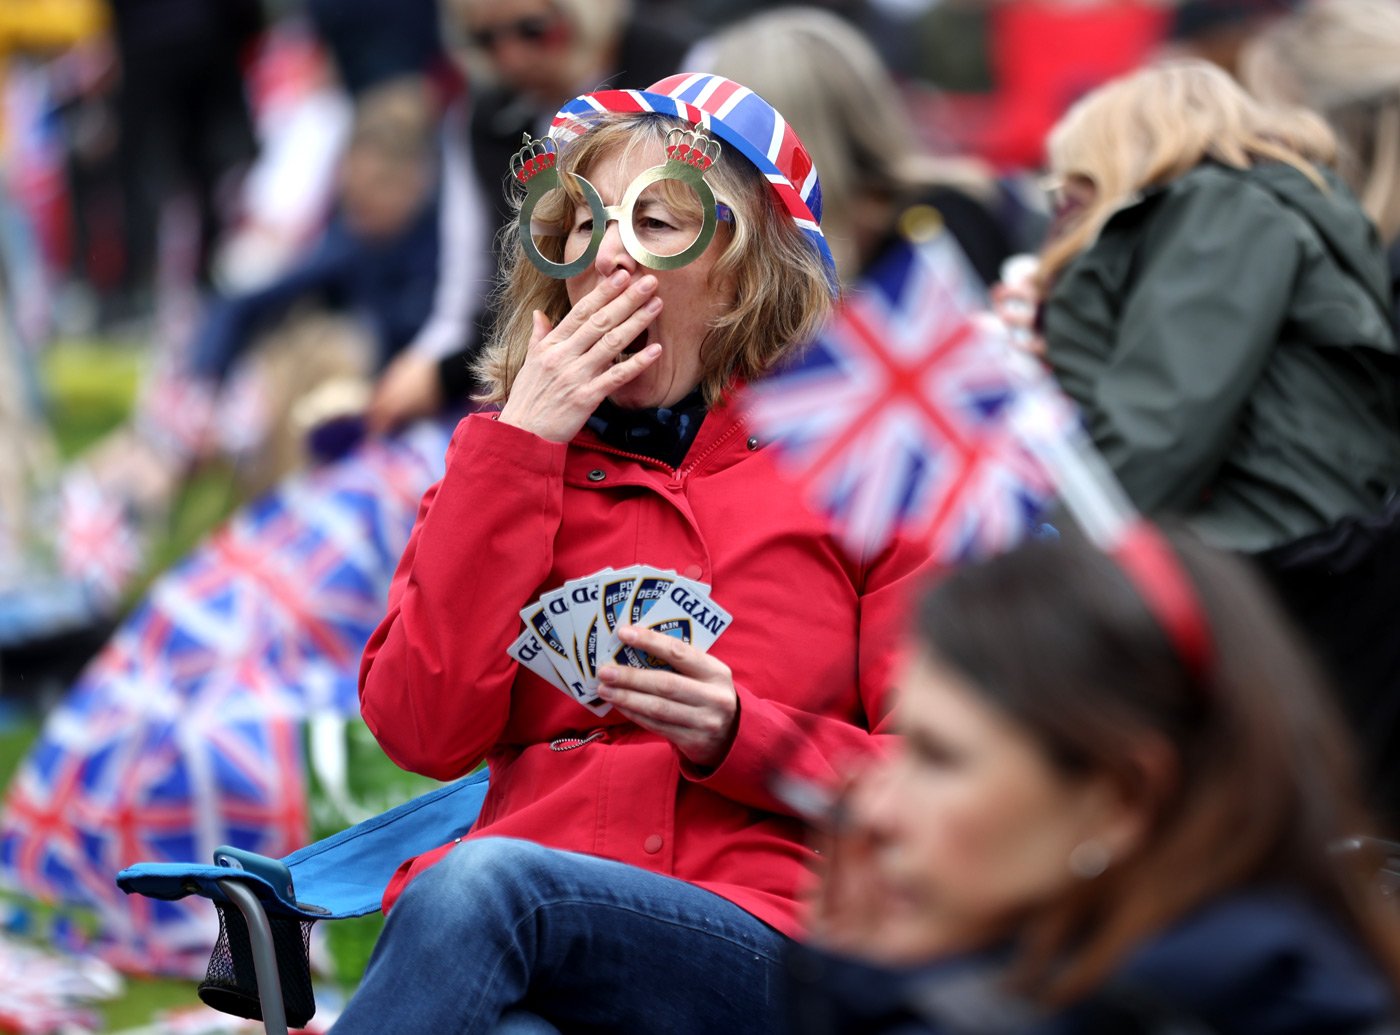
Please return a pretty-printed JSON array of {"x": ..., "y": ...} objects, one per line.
[{"x": 810, "y": 647}]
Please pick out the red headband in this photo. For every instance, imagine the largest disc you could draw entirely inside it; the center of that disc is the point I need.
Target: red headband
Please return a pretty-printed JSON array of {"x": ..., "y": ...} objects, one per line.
[{"x": 1154, "y": 569}]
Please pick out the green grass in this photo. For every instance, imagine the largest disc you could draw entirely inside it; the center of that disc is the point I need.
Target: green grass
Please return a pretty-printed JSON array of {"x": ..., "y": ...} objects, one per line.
[
  {"x": 90, "y": 386},
  {"x": 144, "y": 998},
  {"x": 15, "y": 737}
]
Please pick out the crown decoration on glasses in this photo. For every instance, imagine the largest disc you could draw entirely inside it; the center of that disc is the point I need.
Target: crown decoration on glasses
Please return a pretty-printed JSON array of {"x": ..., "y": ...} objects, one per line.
[
  {"x": 535, "y": 157},
  {"x": 689, "y": 155},
  {"x": 691, "y": 148}
]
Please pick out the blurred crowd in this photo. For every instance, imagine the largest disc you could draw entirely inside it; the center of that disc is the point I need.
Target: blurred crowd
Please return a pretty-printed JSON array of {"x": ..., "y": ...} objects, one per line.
[{"x": 292, "y": 211}]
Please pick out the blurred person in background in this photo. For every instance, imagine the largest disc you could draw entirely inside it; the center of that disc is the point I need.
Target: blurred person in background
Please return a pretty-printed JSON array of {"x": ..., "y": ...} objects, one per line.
[
  {"x": 879, "y": 187},
  {"x": 1217, "y": 303},
  {"x": 365, "y": 289},
  {"x": 1219, "y": 30},
  {"x": 524, "y": 58},
  {"x": 1121, "y": 803},
  {"x": 41, "y": 609},
  {"x": 184, "y": 122},
  {"x": 1341, "y": 58},
  {"x": 40, "y": 42},
  {"x": 371, "y": 41}
]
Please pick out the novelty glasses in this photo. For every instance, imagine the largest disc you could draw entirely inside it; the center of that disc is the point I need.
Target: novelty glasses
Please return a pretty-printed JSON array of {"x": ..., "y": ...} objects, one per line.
[{"x": 667, "y": 217}]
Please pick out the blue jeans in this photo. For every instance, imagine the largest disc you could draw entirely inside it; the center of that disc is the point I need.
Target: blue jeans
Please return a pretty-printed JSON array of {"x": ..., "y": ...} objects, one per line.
[{"x": 506, "y": 936}]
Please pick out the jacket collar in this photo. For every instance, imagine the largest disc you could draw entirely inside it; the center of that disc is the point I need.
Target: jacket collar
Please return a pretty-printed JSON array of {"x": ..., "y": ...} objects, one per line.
[{"x": 722, "y": 441}]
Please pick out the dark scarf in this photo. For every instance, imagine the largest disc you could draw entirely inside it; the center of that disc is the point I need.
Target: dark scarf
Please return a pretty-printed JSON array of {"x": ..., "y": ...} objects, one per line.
[{"x": 664, "y": 433}]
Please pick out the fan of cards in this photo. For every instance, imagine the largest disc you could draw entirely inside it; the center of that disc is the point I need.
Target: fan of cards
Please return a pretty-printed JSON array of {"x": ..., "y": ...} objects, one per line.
[{"x": 571, "y": 632}]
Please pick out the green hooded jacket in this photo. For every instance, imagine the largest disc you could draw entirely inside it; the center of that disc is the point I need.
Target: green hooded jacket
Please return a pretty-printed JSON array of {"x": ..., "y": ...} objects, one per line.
[{"x": 1227, "y": 338}]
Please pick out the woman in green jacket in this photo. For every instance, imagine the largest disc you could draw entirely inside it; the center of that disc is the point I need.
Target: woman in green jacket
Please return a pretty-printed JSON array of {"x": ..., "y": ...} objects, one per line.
[{"x": 1218, "y": 304}]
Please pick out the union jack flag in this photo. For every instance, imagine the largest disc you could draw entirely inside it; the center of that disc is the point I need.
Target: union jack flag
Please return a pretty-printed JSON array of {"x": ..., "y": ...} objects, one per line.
[
  {"x": 896, "y": 418},
  {"x": 97, "y": 539},
  {"x": 175, "y": 411},
  {"x": 186, "y": 731}
]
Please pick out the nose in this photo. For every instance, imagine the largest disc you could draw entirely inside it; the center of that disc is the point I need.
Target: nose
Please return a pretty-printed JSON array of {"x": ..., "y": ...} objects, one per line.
[
  {"x": 612, "y": 256},
  {"x": 510, "y": 55}
]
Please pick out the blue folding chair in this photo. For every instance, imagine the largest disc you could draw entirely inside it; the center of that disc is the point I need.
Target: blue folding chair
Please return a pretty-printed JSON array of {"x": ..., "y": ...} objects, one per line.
[{"x": 260, "y": 968}]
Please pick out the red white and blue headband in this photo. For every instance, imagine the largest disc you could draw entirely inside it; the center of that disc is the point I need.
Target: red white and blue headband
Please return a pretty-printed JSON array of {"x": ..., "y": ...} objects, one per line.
[{"x": 733, "y": 114}]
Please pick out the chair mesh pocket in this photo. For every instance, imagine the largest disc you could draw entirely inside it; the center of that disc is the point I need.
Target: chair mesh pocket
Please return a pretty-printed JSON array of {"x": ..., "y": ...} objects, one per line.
[{"x": 231, "y": 985}]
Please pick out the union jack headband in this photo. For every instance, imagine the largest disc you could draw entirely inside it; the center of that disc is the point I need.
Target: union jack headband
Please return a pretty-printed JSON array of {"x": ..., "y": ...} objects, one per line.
[{"x": 734, "y": 114}]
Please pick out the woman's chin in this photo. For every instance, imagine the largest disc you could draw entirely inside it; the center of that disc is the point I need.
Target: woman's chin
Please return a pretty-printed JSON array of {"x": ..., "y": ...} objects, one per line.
[
  {"x": 646, "y": 391},
  {"x": 630, "y": 397}
]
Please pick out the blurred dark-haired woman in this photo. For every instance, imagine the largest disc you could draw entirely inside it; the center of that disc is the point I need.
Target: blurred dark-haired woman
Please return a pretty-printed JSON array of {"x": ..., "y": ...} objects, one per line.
[{"x": 1122, "y": 803}]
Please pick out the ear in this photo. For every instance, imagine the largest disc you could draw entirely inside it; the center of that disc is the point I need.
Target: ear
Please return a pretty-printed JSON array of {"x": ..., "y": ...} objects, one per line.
[{"x": 1123, "y": 807}]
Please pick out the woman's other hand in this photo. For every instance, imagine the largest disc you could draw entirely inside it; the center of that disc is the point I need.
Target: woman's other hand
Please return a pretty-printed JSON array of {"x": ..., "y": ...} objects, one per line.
[
  {"x": 846, "y": 911},
  {"x": 1015, "y": 299},
  {"x": 695, "y": 706},
  {"x": 853, "y": 911},
  {"x": 573, "y": 367}
]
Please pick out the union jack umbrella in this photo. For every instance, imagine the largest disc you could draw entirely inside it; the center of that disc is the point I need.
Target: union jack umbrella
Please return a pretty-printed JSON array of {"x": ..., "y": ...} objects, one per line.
[
  {"x": 186, "y": 731},
  {"x": 896, "y": 418},
  {"x": 740, "y": 118}
]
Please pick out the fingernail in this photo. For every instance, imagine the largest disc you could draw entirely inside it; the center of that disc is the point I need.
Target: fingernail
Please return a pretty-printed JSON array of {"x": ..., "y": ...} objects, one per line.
[
  {"x": 654, "y": 306},
  {"x": 604, "y": 691},
  {"x": 647, "y": 283},
  {"x": 654, "y": 349},
  {"x": 607, "y": 674},
  {"x": 619, "y": 278}
]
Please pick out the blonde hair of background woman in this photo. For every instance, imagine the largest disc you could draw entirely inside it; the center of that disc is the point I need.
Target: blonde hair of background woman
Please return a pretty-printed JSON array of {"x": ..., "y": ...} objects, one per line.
[
  {"x": 782, "y": 295},
  {"x": 1155, "y": 125},
  {"x": 833, "y": 88},
  {"x": 1341, "y": 58}
]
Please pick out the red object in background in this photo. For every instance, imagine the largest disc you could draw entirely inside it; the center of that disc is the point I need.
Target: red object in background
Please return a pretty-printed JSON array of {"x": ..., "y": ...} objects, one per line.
[{"x": 1044, "y": 56}]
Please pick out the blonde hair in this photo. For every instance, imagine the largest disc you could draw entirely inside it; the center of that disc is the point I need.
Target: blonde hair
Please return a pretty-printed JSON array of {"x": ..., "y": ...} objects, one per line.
[
  {"x": 1341, "y": 58},
  {"x": 1155, "y": 125},
  {"x": 782, "y": 295},
  {"x": 832, "y": 86}
]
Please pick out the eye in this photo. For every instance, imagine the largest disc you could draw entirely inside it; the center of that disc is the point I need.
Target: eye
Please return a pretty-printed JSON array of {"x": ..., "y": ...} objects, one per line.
[
  {"x": 935, "y": 752},
  {"x": 583, "y": 225}
]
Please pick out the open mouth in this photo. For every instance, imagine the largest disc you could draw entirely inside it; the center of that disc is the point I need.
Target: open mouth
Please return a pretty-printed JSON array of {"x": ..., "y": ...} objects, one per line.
[{"x": 635, "y": 346}]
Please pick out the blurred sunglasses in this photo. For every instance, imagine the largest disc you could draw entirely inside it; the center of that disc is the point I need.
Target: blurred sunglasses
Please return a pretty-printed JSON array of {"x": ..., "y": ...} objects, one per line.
[{"x": 534, "y": 29}]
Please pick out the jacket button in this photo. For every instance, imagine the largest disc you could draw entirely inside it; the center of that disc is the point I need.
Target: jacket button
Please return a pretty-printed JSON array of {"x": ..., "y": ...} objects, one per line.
[
  {"x": 693, "y": 571},
  {"x": 596, "y": 475},
  {"x": 753, "y": 443},
  {"x": 652, "y": 845}
]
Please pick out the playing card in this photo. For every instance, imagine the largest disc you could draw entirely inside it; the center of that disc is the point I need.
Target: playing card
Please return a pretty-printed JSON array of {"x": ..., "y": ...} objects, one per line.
[
  {"x": 582, "y": 595},
  {"x": 613, "y": 591},
  {"x": 691, "y": 601},
  {"x": 674, "y": 606},
  {"x": 529, "y": 651},
  {"x": 572, "y": 630},
  {"x": 560, "y": 655},
  {"x": 556, "y": 605}
]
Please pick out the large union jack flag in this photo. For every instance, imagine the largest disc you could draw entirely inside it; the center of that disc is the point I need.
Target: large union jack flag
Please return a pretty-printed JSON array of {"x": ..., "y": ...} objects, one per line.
[
  {"x": 186, "y": 732},
  {"x": 896, "y": 418}
]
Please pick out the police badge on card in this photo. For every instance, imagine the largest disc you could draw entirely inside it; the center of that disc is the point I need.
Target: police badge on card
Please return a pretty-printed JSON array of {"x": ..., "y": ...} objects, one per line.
[{"x": 571, "y": 631}]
